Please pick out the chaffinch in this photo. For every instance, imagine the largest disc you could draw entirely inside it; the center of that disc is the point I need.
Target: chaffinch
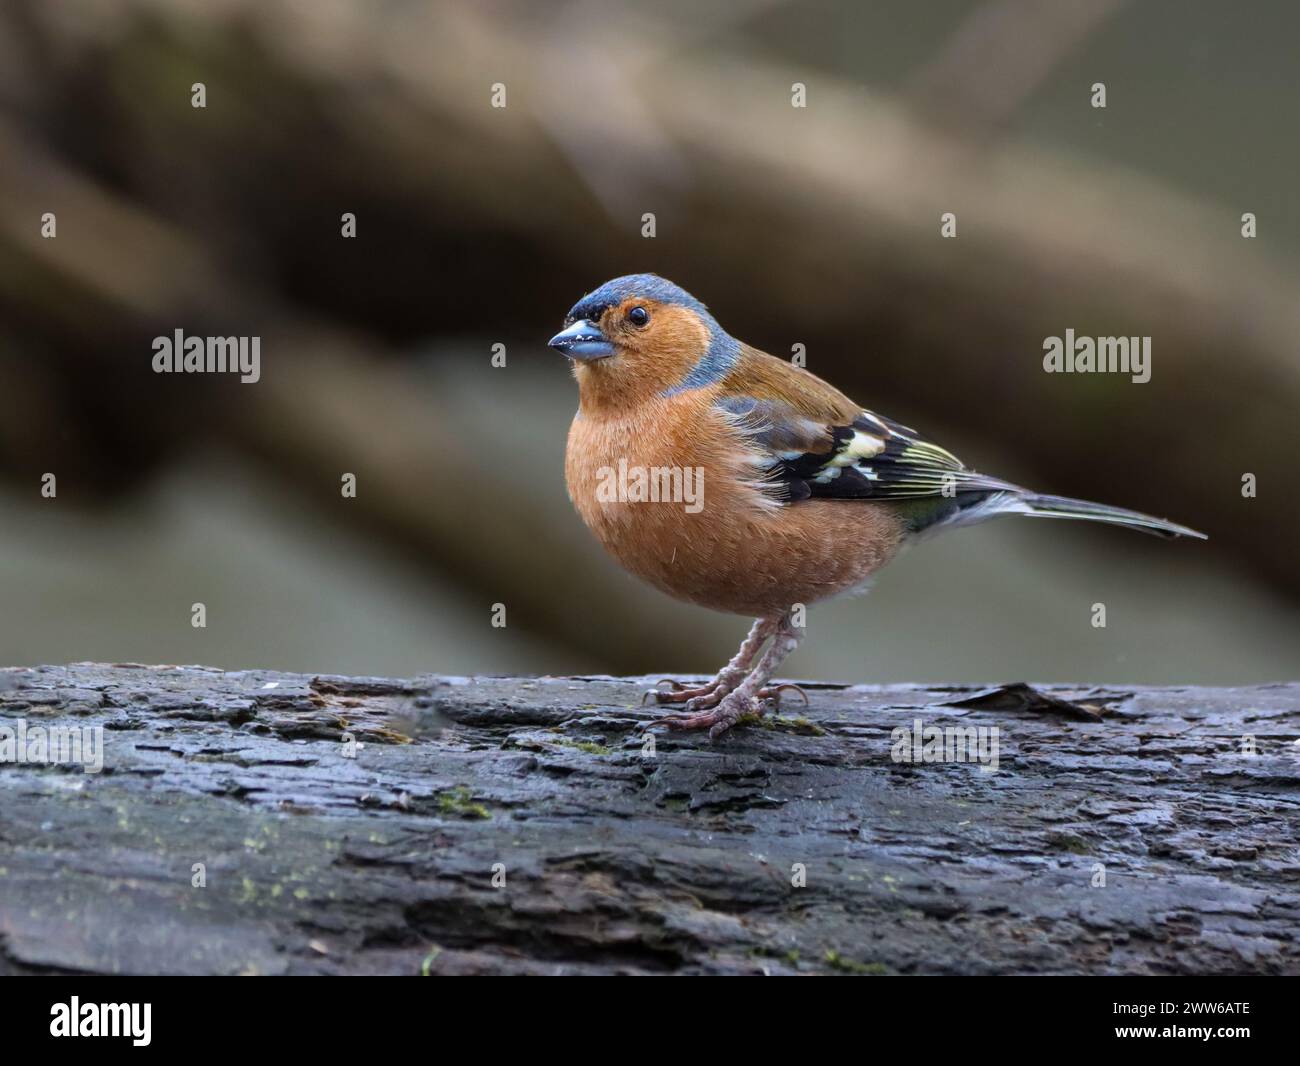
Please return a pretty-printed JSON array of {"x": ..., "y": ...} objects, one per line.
[{"x": 731, "y": 479}]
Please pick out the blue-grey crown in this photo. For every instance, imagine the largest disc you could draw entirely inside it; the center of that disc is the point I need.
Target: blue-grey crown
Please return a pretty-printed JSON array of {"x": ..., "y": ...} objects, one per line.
[{"x": 651, "y": 286}]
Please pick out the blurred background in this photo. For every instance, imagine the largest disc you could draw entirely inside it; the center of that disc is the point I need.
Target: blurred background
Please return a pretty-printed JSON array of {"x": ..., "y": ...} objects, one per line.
[{"x": 478, "y": 226}]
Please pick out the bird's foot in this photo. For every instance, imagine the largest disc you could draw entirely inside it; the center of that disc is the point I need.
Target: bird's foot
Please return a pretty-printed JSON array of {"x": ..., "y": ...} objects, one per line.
[{"x": 729, "y": 710}]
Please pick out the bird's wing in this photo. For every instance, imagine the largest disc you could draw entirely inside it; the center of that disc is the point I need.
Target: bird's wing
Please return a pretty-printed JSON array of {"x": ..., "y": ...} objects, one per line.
[{"x": 821, "y": 444}]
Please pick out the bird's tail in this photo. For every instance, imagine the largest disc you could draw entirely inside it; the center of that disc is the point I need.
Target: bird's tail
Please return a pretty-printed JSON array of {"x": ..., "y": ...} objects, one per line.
[{"x": 1039, "y": 506}]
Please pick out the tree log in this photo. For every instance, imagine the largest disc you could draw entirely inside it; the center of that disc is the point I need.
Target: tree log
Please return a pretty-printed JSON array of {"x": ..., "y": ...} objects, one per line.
[{"x": 261, "y": 822}]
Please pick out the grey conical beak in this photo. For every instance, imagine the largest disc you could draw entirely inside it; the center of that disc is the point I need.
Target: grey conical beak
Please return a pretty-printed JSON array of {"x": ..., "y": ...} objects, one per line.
[{"x": 582, "y": 340}]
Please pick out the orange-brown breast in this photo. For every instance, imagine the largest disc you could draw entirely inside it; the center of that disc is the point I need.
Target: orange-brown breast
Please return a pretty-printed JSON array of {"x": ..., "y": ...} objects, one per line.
[{"x": 741, "y": 551}]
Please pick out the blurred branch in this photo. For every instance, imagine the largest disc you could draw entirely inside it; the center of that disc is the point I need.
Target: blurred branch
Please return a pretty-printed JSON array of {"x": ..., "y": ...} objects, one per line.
[
  {"x": 998, "y": 56},
  {"x": 810, "y": 225}
]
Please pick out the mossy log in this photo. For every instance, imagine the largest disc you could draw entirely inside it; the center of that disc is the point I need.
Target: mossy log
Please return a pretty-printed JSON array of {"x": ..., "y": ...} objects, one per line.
[{"x": 261, "y": 822}]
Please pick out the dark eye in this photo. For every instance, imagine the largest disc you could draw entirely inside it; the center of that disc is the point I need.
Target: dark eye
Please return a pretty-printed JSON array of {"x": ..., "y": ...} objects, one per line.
[{"x": 638, "y": 316}]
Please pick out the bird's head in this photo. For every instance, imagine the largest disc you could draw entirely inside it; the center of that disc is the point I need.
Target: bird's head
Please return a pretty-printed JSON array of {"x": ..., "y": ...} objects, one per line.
[{"x": 641, "y": 335}]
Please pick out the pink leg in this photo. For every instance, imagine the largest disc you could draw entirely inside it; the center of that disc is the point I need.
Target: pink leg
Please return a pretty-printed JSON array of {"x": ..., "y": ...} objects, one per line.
[
  {"x": 747, "y": 697},
  {"x": 731, "y": 675}
]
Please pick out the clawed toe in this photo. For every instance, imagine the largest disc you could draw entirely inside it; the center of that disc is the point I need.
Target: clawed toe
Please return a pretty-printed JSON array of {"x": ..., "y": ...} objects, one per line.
[
  {"x": 773, "y": 693},
  {"x": 695, "y": 699},
  {"x": 706, "y": 700},
  {"x": 676, "y": 693},
  {"x": 658, "y": 694},
  {"x": 731, "y": 710}
]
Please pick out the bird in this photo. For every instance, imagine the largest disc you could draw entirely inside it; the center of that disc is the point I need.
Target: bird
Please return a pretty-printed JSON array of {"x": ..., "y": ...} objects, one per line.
[{"x": 740, "y": 482}]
